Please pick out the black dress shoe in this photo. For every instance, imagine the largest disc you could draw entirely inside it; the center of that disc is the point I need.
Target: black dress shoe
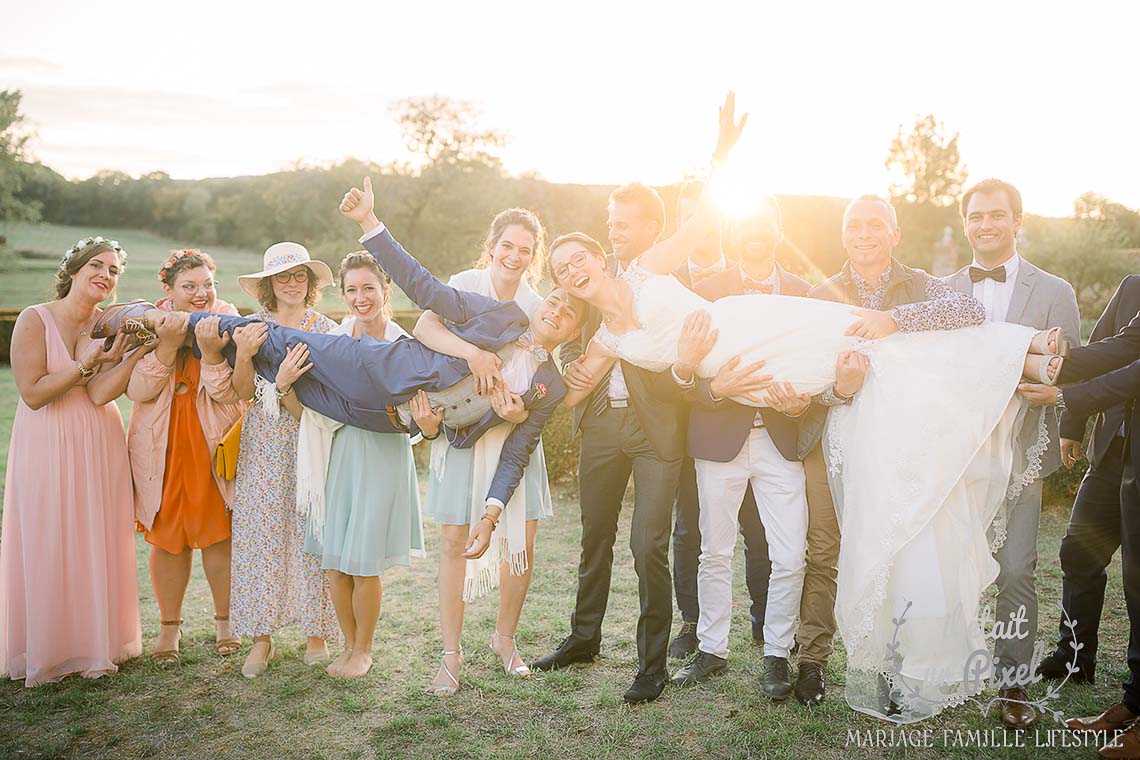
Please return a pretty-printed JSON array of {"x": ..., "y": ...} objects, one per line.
[
  {"x": 887, "y": 704},
  {"x": 685, "y": 642},
  {"x": 810, "y": 683},
  {"x": 570, "y": 651},
  {"x": 646, "y": 688},
  {"x": 1056, "y": 666},
  {"x": 775, "y": 680},
  {"x": 698, "y": 669}
]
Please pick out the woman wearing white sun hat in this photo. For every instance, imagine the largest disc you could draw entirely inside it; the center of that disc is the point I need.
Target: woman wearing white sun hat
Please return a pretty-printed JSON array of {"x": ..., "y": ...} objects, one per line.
[{"x": 275, "y": 583}]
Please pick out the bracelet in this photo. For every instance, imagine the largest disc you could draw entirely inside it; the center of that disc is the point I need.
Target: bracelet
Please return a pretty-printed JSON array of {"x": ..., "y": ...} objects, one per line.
[
  {"x": 280, "y": 393},
  {"x": 494, "y": 522},
  {"x": 1061, "y": 401},
  {"x": 85, "y": 372},
  {"x": 835, "y": 392},
  {"x": 431, "y": 437}
]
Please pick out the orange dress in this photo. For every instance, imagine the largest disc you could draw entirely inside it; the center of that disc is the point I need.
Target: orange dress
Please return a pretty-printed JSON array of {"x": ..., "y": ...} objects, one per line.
[{"x": 193, "y": 513}]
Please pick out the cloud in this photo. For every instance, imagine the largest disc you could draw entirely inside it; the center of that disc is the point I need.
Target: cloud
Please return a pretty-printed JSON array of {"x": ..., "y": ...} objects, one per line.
[{"x": 28, "y": 65}]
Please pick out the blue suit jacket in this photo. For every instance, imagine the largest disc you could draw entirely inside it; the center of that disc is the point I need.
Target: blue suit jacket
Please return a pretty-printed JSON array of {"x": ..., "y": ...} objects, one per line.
[{"x": 355, "y": 383}]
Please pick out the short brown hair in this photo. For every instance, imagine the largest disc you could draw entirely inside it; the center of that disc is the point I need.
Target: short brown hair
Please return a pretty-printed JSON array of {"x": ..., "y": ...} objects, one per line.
[
  {"x": 989, "y": 186},
  {"x": 184, "y": 260},
  {"x": 268, "y": 299},
  {"x": 646, "y": 199},
  {"x": 530, "y": 222}
]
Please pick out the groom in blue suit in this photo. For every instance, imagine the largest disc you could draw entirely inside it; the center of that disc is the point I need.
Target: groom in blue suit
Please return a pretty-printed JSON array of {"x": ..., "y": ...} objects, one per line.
[{"x": 361, "y": 384}]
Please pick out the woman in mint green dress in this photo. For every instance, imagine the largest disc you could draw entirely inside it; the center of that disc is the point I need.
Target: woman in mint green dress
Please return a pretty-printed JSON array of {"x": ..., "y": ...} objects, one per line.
[{"x": 370, "y": 516}]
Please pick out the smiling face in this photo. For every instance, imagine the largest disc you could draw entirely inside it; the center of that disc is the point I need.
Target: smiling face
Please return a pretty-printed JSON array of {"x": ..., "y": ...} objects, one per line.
[
  {"x": 557, "y": 318},
  {"x": 991, "y": 226},
  {"x": 631, "y": 232},
  {"x": 97, "y": 278},
  {"x": 364, "y": 294},
  {"x": 192, "y": 290},
  {"x": 869, "y": 234},
  {"x": 513, "y": 252},
  {"x": 292, "y": 292},
  {"x": 577, "y": 269}
]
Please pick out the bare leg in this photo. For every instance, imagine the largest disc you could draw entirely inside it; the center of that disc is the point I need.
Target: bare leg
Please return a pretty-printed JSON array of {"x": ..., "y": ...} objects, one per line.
[
  {"x": 366, "y": 596},
  {"x": 340, "y": 586},
  {"x": 216, "y": 564},
  {"x": 512, "y": 595},
  {"x": 169, "y": 575},
  {"x": 451, "y": 566}
]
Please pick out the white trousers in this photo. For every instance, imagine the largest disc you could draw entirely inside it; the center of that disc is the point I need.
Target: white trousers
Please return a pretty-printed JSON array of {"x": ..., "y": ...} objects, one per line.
[{"x": 778, "y": 486}]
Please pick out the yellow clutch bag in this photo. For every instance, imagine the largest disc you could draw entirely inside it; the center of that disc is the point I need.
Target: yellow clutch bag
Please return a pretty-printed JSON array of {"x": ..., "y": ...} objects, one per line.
[{"x": 226, "y": 454}]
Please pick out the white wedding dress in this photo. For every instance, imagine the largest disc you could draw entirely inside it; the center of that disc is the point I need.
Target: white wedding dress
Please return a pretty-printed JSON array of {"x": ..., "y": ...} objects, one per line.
[{"x": 920, "y": 466}]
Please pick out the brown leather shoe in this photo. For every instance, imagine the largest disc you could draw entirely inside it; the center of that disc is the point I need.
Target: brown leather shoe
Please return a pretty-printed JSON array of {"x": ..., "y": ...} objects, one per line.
[
  {"x": 1125, "y": 746},
  {"x": 129, "y": 316},
  {"x": 1015, "y": 710},
  {"x": 1115, "y": 718}
]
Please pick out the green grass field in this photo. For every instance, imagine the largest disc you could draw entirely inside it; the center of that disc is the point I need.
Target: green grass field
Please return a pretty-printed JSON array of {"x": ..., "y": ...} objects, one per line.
[
  {"x": 33, "y": 252},
  {"x": 204, "y": 708}
]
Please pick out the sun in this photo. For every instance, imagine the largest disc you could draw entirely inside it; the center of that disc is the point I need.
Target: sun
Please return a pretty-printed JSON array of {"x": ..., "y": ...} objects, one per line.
[{"x": 736, "y": 192}]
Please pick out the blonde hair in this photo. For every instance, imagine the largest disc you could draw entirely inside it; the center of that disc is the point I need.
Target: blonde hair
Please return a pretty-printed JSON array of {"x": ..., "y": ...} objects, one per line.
[{"x": 529, "y": 221}]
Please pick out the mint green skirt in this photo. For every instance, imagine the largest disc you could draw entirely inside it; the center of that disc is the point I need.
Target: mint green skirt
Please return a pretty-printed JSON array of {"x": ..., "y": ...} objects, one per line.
[
  {"x": 372, "y": 505},
  {"x": 448, "y": 499}
]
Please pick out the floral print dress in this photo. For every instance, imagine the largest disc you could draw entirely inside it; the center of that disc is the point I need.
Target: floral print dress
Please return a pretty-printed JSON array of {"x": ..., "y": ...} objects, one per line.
[{"x": 275, "y": 583}]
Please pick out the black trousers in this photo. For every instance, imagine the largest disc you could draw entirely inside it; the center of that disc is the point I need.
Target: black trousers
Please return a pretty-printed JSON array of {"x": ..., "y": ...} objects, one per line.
[
  {"x": 1091, "y": 539},
  {"x": 614, "y": 446},
  {"x": 687, "y": 550},
  {"x": 1130, "y": 566}
]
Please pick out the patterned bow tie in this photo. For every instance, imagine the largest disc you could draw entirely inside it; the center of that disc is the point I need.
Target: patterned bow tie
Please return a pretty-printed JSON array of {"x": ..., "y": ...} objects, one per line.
[
  {"x": 977, "y": 274},
  {"x": 765, "y": 289},
  {"x": 527, "y": 341}
]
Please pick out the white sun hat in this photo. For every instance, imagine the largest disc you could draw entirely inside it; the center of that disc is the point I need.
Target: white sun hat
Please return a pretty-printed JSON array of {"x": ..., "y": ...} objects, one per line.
[{"x": 280, "y": 257}]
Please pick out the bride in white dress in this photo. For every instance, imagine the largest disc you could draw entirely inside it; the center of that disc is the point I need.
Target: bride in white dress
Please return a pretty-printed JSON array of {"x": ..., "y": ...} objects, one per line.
[{"x": 920, "y": 463}]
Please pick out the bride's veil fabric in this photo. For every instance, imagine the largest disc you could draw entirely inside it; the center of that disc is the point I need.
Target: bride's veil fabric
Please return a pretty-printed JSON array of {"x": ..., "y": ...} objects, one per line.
[{"x": 920, "y": 465}]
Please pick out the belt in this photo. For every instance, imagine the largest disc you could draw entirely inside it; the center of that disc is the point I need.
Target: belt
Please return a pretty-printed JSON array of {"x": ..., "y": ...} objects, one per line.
[{"x": 618, "y": 403}]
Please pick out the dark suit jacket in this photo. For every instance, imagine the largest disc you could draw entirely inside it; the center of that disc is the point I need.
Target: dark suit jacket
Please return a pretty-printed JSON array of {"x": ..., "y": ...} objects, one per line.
[
  {"x": 1123, "y": 306},
  {"x": 654, "y": 396},
  {"x": 718, "y": 429}
]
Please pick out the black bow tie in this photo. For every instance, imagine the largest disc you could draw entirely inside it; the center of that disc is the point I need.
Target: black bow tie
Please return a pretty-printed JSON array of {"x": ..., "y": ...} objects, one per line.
[{"x": 977, "y": 274}]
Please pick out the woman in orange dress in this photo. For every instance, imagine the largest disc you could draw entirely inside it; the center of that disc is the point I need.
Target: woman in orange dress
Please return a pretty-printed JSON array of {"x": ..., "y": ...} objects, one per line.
[
  {"x": 68, "y": 592},
  {"x": 183, "y": 406}
]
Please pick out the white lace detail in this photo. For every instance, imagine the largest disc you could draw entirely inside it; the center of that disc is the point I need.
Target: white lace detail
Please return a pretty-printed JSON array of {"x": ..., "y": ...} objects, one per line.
[{"x": 1033, "y": 456}]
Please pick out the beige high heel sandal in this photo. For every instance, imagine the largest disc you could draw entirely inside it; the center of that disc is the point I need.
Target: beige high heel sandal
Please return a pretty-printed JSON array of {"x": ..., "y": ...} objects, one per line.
[
  {"x": 1056, "y": 336},
  {"x": 444, "y": 690},
  {"x": 521, "y": 671},
  {"x": 1037, "y": 368}
]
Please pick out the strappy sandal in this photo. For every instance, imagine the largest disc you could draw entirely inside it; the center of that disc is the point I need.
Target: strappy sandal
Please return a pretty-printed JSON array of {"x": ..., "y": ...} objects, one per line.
[
  {"x": 444, "y": 690},
  {"x": 1037, "y": 368},
  {"x": 522, "y": 671},
  {"x": 257, "y": 668},
  {"x": 1055, "y": 336},
  {"x": 167, "y": 656},
  {"x": 229, "y": 645}
]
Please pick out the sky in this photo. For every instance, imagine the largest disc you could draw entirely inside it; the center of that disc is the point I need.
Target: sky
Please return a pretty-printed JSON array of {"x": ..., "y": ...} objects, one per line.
[{"x": 1043, "y": 94}]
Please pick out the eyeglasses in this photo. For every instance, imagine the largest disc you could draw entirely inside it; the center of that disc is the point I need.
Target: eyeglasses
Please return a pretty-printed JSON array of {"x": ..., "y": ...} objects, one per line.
[
  {"x": 301, "y": 275},
  {"x": 578, "y": 260},
  {"x": 190, "y": 288}
]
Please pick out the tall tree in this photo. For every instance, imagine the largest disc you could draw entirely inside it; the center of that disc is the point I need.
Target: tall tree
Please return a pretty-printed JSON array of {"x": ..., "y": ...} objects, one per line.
[
  {"x": 1096, "y": 207},
  {"x": 929, "y": 180},
  {"x": 13, "y": 145}
]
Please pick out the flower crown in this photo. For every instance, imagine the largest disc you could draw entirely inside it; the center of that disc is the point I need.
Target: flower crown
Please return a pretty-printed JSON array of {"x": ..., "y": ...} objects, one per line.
[
  {"x": 181, "y": 254},
  {"x": 79, "y": 246}
]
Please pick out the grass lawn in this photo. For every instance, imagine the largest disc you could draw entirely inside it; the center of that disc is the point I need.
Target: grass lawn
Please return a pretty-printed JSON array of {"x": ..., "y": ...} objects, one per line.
[
  {"x": 33, "y": 252},
  {"x": 204, "y": 708}
]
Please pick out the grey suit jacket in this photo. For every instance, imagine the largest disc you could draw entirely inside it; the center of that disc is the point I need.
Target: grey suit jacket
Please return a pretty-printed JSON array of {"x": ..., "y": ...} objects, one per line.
[{"x": 1040, "y": 300}]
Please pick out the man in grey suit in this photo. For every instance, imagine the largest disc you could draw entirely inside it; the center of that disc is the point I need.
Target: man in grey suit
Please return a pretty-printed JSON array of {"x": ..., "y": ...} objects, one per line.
[{"x": 1013, "y": 290}]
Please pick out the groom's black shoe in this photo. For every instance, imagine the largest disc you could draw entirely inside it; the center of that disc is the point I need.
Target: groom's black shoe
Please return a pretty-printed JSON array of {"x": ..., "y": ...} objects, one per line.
[
  {"x": 775, "y": 680},
  {"x": 1056, "y": 666},
  {"x": 700, "y": 667},
  {"x": 685, "y": 642},
  {"x": 810, "y": 683},
  {"x": 887, "y": 704},
  {"x": 646, "y": 688},
  {"x": 570, "y": 651}
]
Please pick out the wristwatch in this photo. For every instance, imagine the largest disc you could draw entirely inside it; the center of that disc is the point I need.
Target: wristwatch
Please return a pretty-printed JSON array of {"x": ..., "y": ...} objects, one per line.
[{"x": 85, "y": 372}]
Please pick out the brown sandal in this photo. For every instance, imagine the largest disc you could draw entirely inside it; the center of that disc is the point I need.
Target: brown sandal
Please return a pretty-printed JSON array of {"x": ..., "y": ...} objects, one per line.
[
  {"x": 227, "y": 646},
  {"x": 167, "y": 656}
]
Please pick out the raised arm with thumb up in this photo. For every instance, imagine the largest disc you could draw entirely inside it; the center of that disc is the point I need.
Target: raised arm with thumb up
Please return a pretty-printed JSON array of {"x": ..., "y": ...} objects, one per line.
[{"x": 358, "y": 206}]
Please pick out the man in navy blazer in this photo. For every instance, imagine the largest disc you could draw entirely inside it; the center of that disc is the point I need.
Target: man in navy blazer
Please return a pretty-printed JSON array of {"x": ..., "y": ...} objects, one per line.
[
  {"x": 359, "y": 384},
  {"x": 1107, "y": 374}
]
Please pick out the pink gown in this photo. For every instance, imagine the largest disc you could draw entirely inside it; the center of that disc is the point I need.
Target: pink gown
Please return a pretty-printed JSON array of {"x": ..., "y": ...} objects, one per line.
[{"x": 68, "y": 589}]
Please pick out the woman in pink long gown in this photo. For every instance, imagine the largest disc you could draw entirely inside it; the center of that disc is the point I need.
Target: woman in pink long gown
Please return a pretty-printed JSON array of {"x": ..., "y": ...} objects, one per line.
[{"x": 68, "y": 590}]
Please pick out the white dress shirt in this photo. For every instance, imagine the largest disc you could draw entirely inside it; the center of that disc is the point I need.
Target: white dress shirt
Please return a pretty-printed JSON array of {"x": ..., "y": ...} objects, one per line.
[{"x": 994, "y": 295}]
